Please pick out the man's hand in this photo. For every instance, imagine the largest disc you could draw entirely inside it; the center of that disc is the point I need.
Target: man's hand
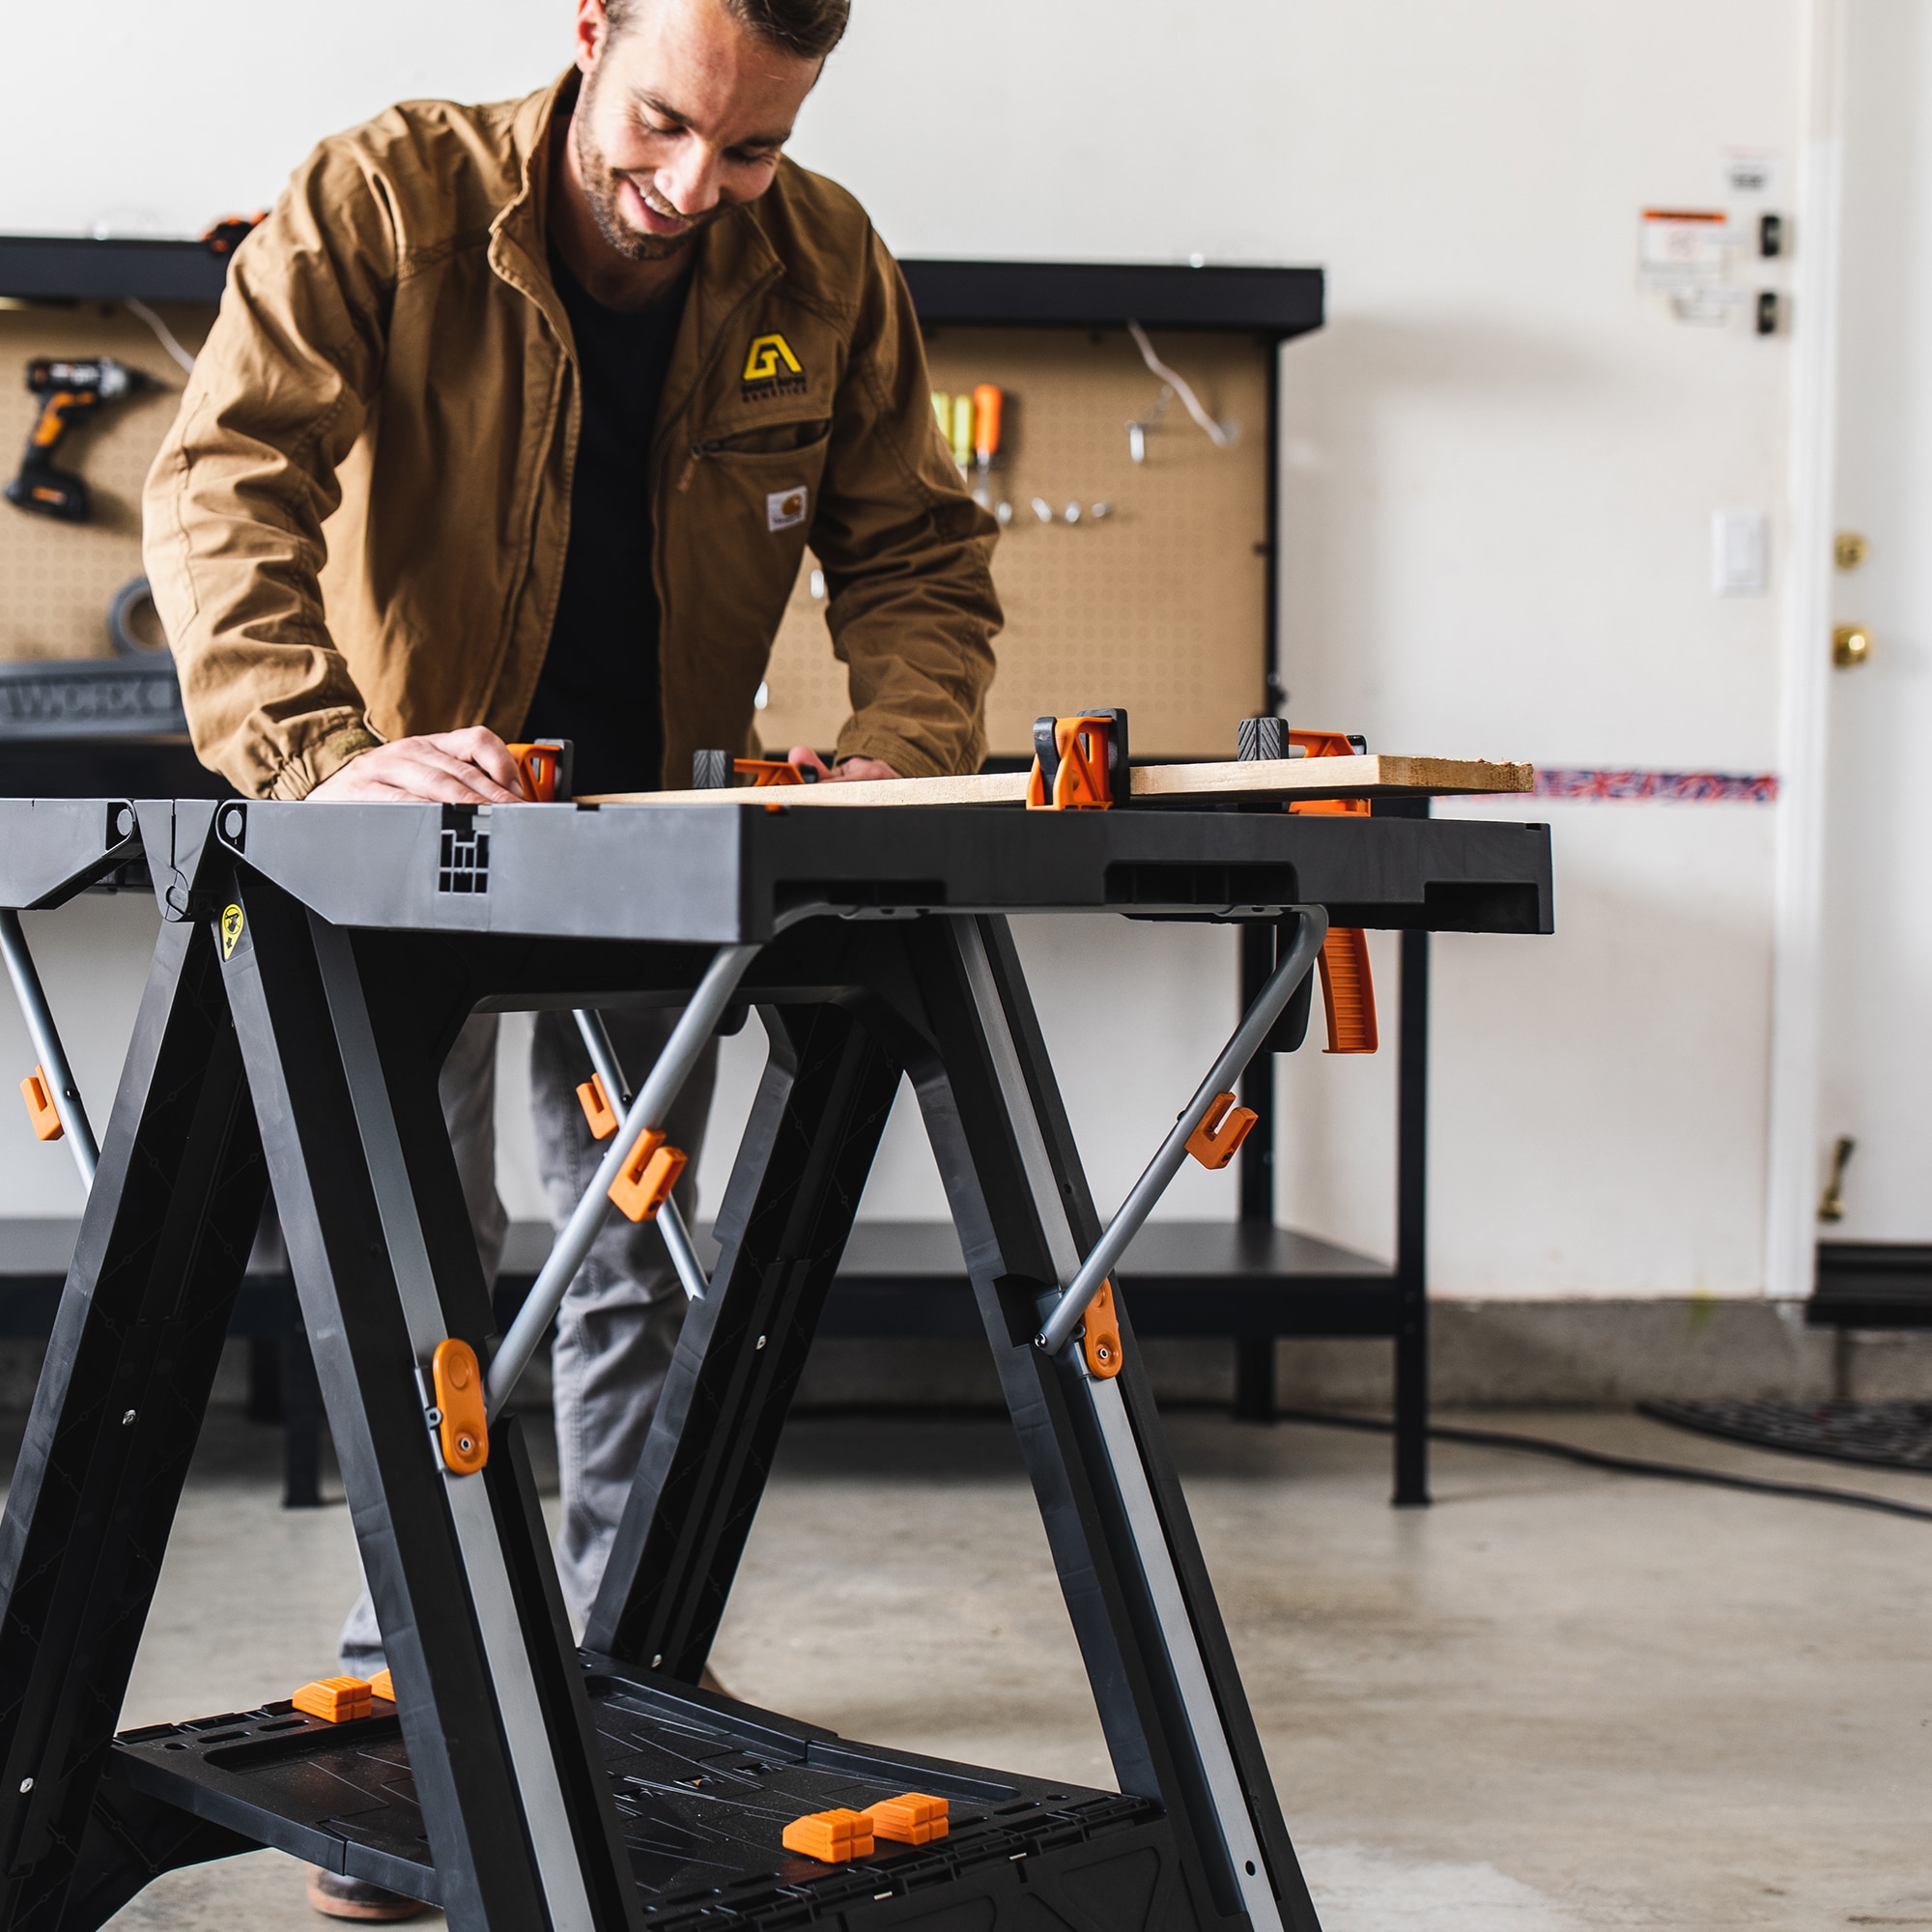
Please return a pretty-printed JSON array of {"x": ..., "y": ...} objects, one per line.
[
  {"x": 471, "y": 767},
  {"x": 852, "y": 768}
]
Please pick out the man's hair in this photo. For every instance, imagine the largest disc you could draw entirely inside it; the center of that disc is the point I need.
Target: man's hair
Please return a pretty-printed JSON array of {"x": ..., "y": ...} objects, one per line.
[{"x": 805, "y": 29}]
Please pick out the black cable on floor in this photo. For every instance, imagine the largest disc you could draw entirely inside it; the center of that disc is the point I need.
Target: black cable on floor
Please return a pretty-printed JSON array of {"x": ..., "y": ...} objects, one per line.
[{"x": 1621, "y": 1465}]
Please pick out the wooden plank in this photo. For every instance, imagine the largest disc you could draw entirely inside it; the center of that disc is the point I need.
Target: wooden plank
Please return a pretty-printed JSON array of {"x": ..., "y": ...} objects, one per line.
[{"x": 1380, "y": 775}]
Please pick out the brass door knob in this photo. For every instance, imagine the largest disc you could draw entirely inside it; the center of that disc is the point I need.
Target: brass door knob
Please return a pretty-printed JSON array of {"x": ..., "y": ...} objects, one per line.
[{"x": 1851, "y": 645}]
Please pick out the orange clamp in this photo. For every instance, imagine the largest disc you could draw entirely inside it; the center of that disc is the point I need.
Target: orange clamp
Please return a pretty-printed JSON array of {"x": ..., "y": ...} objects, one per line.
[
  {"x": 1216, "y": 1141},
  {"x": 1100, "y": 1336},
  {"x": 1083, "y": 749},
  {"x": 1347, "y": 990},
  {"x": 463, "y": 1423},
  {"x": 831, "y": 1837},
  {"x": 545, "y": 766},
  {"x": 42, "y": 1112},
  {"x": 912, "y": 1818},
  {"x": 649, "y": 1173},
  {"x": 1327, "y": 745},
  {"x": 764, "y": 772},
  {"x": 336, "y": 1700},
  {"x": 384, "y": 1685},
  {"x": 597, "y": 1108}
]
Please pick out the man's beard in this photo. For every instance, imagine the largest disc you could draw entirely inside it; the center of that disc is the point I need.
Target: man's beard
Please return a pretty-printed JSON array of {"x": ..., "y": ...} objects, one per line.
[{"x": 603, "y": 187}]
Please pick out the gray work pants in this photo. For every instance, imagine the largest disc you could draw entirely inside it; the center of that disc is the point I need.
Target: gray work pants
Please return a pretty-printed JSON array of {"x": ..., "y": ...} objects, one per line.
[{"x": 620, "y": 1321}]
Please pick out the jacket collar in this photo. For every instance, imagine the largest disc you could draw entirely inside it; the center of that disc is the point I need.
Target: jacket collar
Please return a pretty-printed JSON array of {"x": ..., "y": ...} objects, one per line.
[{"x": 735, "y": 259}]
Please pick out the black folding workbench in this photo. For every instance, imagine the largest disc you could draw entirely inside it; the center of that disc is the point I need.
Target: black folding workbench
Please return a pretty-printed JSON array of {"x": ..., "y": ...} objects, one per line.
[{"x": 313, "y": 968}]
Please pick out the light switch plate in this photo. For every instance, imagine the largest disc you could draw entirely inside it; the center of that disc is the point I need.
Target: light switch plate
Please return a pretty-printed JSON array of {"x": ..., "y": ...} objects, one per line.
[{"x": 1738, "y": 544}]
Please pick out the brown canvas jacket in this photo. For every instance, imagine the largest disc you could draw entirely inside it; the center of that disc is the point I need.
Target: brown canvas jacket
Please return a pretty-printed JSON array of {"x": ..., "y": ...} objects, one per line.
[{"x": 355, "y": 529}]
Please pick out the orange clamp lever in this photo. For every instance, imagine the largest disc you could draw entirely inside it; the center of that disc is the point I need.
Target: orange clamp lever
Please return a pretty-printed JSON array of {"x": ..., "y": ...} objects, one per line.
[
  {"x": 1347, "y": 986},
  {"x": 764, "y": 772},
  {"x": 1216, "y": 1141},
  {"x": 41, "y": 1111},
  {"x": 463, "y": 1421},
  {"x": 649, "y": 1173},
  {"x": 545, "y": 766},
  {"x": 1082, "y": 774}
]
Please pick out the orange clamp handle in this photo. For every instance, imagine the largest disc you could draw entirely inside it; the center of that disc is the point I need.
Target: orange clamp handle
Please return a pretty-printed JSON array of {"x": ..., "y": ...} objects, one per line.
[
  {"x": 1327, "y": 745},
  {"x": 987, "y": 401},
  {"x": 1347, "y": 990},
  {"x": 1100, "y": 1337},
  {"x": 463, "y": 1421},
  {"x": 43, "y": 1114},
  {"x": 764, "y": 772},
  {"x": 649, "y": 1173},
  {"x": 597, "y": 1108},
  {"x": 544, "y": 765},
  {"x": 1082, "y": 781},
  {"x": 336, "y": 1700},
  {"x": 1216, "y": 1141}
]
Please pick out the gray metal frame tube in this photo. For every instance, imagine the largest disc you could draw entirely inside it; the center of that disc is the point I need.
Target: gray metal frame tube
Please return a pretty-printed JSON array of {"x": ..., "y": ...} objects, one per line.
[
  {"x": 47, "y": 1046},
  {"x": 1274, "y": 995},
  {"x": 662, "y": 1085}
]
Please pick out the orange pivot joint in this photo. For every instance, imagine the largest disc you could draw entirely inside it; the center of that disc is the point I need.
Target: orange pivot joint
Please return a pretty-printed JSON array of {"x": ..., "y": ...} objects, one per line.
[
  {"x": 462, "y": 1418},
  {"x": 336, "y": 1700},
  {"x": 43, "y": 1114},
  {"x": 832, "y": 1837},
  {"x": 912, "y": 1818},
  {"x": 649, "y": 1173},
  {"x": 597, "y": 1108},
  {"x": 1100, "y": 1339},
  {"x": 1219, "y": 1139}
]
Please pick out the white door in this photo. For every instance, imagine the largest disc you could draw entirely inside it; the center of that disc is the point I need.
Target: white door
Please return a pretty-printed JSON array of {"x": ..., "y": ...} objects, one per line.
[{"x": 1876, "y": 1037}]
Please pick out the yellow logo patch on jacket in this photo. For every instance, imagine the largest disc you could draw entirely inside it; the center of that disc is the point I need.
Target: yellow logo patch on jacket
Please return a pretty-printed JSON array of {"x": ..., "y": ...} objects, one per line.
[{"x": 770, "y": 357}]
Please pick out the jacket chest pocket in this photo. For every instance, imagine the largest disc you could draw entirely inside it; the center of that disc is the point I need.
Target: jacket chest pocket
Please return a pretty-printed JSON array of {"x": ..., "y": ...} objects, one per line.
[{"x": 747, "y": 502}]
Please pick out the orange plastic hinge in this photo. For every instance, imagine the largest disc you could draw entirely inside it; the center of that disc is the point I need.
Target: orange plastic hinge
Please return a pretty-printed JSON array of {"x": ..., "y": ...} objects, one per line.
[
  {"x": 545, "y": 766},
  {"x": 1100, "y": 1336},
  {"x": 831, "y": 1837},
  {"x": 597, "y": 1108},
  {"x": 1347, "y": 990},
  {"x": 41, "y": 1111},
  {"x": 384, "y": 1685},
  {"x": 1082, "y": 775},
  {"x": 1216, "y": 1141},
  {"x": 336, "y": 1700},
  {"x": 649, "y": 1173},
  {"x": 764, "y": 772},
  {"x": 912, "y": 1818},
  {"x": 463, "y": 1420}
]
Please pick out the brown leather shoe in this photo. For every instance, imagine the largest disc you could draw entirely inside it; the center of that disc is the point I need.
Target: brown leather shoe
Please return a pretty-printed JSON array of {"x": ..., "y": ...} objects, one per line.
[{"x": 336, "y": 1895}]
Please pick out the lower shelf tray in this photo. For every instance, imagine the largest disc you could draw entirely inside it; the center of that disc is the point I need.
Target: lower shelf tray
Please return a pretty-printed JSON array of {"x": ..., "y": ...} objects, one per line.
[{"x": 705, "y": 1788}]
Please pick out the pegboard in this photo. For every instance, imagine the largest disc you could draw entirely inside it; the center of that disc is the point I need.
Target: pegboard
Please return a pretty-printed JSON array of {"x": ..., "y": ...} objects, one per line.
[
  {"x": 57, "y": 580},
  {"x": 1161, "y": 606}
]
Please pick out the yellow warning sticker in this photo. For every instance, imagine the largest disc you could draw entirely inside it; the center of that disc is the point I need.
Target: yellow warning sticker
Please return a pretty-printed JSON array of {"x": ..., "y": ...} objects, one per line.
[
  {"x": 231, "y": 930},
  {"x": 769, "y": 354}
]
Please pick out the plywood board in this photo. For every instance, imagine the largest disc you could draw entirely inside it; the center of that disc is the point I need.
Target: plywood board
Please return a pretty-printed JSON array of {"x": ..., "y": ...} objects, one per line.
[
  {"x": 1254, "y": 783},
  {"x": 57, "y": 580},
  {"x": 1161, "y": 606}
]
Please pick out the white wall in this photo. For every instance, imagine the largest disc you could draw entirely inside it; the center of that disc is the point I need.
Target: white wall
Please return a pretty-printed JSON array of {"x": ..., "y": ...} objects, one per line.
[{"x": 1499, "y": 463}]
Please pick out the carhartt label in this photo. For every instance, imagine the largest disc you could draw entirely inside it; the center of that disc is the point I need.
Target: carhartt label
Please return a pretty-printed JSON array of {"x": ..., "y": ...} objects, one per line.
[
  {"x": 231, "y": 930},
  {"x": 785, "y": 509}
]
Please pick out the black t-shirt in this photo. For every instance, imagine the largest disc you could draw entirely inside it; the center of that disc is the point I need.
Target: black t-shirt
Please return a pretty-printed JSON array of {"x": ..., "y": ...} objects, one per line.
[{"x": 599, "y": 686}]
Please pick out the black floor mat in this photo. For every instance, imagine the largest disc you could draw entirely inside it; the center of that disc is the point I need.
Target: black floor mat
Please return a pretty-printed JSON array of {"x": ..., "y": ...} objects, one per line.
[{"x": 1880, "y": 1435}]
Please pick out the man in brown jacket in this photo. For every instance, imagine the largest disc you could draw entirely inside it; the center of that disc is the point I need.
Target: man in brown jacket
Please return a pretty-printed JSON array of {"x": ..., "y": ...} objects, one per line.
[{"x": 516, "y": 421}]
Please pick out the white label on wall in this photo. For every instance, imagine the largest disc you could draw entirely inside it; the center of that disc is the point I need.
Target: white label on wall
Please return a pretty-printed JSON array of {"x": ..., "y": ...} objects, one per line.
[{"x": 1685, "y": 256}]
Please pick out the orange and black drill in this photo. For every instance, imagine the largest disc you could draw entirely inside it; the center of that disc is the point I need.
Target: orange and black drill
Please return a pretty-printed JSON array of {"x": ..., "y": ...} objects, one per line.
[{"x": 73, "y": 391}]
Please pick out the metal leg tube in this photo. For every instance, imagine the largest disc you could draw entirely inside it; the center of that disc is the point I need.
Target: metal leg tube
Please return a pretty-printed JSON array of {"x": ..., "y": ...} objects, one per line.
[
  {"x": 1274, "y": 995},
  {"x": 617, "y": 1090},
  {"x": 47, "y": 1045},
  {"x": 662, "y": 1085}
]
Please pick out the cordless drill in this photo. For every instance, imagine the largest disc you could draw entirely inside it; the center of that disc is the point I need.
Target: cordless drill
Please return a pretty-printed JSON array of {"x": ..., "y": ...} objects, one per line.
[{"x": 73, "y": 391}]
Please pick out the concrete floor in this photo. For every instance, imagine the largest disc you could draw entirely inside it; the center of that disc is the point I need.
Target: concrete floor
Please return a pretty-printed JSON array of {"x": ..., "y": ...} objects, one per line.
[{"x": 1557, "y": 1700}]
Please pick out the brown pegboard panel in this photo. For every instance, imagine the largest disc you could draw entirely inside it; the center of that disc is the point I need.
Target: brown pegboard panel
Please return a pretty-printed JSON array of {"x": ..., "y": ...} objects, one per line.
[
  {"x": 1161, "y": 606},
  {"x": 57, "y": 580}
]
